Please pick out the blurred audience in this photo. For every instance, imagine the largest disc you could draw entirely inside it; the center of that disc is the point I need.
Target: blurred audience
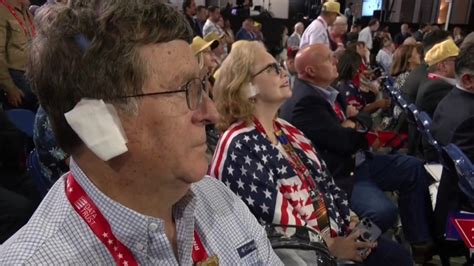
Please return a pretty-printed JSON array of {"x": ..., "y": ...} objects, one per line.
[
  {"x": 340, "y": 137},
  {"x": 16, "y": 31},
  {"x": 259, "y": 152},
  {"x": 295, "y": 38},
  {"x": 402, "y": 35},
  {"x": 365, "y": 35}
]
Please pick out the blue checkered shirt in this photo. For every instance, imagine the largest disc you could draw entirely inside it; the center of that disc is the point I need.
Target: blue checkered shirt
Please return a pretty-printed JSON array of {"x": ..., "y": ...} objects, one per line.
[{"x": 56, "y": 234}]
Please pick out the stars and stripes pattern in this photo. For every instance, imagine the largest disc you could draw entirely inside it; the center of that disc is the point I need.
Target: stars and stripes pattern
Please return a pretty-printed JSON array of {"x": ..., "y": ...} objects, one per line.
[{"x": 259, "y": 173}]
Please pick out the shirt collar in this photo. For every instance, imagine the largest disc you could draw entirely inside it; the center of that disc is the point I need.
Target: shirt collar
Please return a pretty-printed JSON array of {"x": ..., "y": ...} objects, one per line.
[
  {"x": 321, "y": 19},
  {"x": 136, "y": 227},
  {"x": 329, "y": 93},
  {"x": 463, "y": 89}
]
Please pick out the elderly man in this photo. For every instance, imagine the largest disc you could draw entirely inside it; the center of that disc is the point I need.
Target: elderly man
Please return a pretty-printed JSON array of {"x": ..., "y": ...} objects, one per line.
[
  {"x": 453, "y": 122},
  {"x": 136, "y": 192},
  {"x": 246, "y": 32},
  {"x": 317, "y": 31},
  {"x": 338, "y": 31},
  {"x": 295, "y": 38},
  {"x": 212, "y": 20},
  {"x": 319, "y": 111},
  {"x": 366, "y": 34},
  {"x": 16, "y": 30},
  {"x": 440, "y": 60}
]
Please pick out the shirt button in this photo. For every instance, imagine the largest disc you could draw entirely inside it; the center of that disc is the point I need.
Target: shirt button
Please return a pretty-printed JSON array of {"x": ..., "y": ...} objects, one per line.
[
  {"x": 140, "y": 246},
  {"x": 152, "y": 227}
]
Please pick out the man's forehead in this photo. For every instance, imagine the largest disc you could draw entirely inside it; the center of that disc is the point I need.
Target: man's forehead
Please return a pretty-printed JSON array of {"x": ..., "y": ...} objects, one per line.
[{"x": 170, "y": 62}]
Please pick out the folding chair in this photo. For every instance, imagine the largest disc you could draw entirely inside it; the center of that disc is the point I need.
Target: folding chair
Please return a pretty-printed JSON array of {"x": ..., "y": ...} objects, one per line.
[
  {"x": 23, "y": 119},
  {"x": 464, "y": 169}
]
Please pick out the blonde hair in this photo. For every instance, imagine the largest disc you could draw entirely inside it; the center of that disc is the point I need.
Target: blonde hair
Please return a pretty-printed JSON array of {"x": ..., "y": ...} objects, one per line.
[{"x": 230, "y": 89}]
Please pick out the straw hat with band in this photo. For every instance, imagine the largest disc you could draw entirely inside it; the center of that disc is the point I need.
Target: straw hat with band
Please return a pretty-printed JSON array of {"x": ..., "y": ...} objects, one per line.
[
  {"x": 441, "y": 51},
  {"x": 212, "y": 37},
  {"x": 199, "y": 44}
]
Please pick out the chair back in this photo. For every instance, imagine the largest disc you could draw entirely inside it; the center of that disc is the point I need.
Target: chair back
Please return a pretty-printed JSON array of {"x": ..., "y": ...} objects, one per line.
[
  {"x": 464, "y": 169},
  {"x": 23, "y": 119}
]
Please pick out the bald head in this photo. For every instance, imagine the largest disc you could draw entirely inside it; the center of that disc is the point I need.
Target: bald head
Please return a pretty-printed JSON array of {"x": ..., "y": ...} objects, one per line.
[{"x": 316, "y": 64}]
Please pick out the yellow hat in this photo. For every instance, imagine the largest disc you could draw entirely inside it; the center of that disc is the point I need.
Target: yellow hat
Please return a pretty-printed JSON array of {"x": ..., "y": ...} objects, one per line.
[
  {"x": 213, "y": 36},
  {"x": 332, "y": 6},
  {"x": 257, "y": 24},
  {"x": 199, "y": 44},
  {"x": 441, "y": 51}
]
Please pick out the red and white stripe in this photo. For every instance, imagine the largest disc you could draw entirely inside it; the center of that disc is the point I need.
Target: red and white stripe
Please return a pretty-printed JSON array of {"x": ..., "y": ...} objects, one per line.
[{"x": 223, "y": 145}]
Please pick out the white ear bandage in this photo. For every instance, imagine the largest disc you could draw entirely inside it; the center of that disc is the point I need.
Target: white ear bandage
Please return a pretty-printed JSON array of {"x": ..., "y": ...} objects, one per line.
[
  {"x": 250, "y": 90},
  {"x": 99, "y": 127}
]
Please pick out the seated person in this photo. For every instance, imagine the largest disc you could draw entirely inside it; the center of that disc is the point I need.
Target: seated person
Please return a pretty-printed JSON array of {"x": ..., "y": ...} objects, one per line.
[
  {"x": 272, "y": 166},
  {"x": 453, "y": 122},
  {"x": 52, "y": 160},
  {"x": 440, "y": 82},
  {"x": 406, "y": 59},
  {"x": 440, "y": 60},
  {"x": 348, "y": 66},
  {"x": 317, "y": 110},
  {"x": 136, "y": 192}
]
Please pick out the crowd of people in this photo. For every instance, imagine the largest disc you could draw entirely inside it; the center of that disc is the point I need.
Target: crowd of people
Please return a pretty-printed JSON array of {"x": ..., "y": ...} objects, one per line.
[{"x": 163, "y": 137}]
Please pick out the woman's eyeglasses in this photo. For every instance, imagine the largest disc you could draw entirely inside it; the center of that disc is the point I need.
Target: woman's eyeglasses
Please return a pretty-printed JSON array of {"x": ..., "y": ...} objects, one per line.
[{"x": 274, "y": 66}]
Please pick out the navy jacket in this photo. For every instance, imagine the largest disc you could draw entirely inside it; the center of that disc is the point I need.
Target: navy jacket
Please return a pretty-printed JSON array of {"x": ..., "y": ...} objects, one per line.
[{"x": 311, "y": 113}]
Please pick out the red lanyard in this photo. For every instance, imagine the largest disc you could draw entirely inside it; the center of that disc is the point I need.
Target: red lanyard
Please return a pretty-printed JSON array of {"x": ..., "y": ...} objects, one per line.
[
  {"x": 96, "y": 221},
  {"x": 302, "y": 171},
  {"x": 20, "y": 21},
  {"x": 295, "y": 161}
]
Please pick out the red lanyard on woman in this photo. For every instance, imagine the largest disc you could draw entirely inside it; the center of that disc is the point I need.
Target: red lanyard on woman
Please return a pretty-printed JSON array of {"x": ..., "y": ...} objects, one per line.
[
  {"x": 96, "y": 221},
  {"x": 20, "y": 21},
  {"x": 294, "y": 160},
  {"x": 302, "y": 171}
]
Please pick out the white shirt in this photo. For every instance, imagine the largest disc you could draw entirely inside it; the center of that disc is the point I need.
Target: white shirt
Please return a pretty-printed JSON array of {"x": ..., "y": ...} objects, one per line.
[
  {"x": 384, "y": 59},
  {"x": 56, "y": 234},
  {"x": 317, "y": 32},
  {"x": 365, "y": 36},
  {"x": 210, "y": 26}
]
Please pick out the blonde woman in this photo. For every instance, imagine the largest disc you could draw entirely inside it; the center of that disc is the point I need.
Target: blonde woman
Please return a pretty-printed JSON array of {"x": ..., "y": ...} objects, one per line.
[{"x": 270, "y": 164}]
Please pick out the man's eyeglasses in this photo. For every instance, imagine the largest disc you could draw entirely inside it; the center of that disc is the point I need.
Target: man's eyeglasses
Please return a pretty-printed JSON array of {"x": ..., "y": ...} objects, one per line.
[
  {"x": 194, "y": 92},
  {"x": 274, "y": 66}
]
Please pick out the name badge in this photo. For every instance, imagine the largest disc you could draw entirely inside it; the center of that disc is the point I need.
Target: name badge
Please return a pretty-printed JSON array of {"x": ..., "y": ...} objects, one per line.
[{"x": 247, "y": 248}]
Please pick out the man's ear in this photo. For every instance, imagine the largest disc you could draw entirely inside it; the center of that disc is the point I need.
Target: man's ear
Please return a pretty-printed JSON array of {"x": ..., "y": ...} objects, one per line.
[
  {"x": 467, "y": 81},
  {"x": 309, "y": 71}
]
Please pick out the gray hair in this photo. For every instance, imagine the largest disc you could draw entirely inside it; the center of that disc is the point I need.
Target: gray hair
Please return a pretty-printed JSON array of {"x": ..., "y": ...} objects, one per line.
[{"x": 90, "y": 49}]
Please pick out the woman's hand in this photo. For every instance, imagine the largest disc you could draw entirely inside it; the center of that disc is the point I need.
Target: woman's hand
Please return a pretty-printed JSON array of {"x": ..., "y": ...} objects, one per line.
[{"x": 348, "y": 248}]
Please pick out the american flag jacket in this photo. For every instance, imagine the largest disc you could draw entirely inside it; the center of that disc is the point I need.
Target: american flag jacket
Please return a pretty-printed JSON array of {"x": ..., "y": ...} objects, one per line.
[{"x": 259, "y": 173}]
